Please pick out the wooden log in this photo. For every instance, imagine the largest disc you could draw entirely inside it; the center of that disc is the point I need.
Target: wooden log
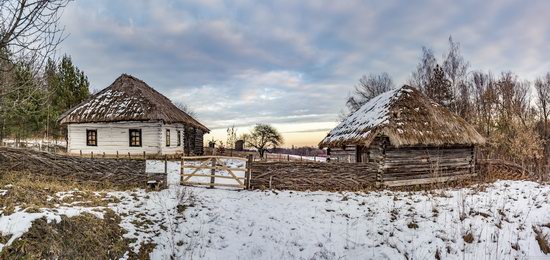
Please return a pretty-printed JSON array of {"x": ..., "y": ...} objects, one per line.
[
  {"x": 212, "y": 172},
  {"x": 426, "y": 180}
]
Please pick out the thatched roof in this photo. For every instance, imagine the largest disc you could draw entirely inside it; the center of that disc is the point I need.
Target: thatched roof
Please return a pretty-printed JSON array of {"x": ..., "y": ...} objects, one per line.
[
  {"x": 407, "y": 117},
  {"x": 128, "y": 99}
]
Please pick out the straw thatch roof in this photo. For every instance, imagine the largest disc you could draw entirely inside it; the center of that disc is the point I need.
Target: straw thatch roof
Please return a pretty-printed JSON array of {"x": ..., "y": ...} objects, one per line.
[
  {"x": 128, "y": 99},
  {"x": 407, "y": 117}
]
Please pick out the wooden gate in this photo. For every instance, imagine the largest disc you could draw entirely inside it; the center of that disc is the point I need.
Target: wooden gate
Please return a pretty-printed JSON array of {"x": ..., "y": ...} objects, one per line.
[{"x": 215, "y": 171}]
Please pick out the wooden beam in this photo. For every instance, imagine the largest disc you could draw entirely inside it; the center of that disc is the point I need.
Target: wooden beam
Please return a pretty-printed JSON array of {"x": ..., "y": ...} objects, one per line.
[
  {"x": 217, "y": 176},
  {"x": 213, "y": 184},
  {"x": 426, "y": 180}
]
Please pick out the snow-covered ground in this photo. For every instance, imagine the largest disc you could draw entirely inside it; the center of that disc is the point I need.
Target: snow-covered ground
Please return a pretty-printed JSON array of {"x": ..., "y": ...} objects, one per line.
[{"x": 204, "y": 223}]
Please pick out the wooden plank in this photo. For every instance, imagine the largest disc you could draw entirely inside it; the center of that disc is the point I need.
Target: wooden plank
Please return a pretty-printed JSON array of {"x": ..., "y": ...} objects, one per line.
[
  {"x": 426, "y": 180},
  {"x": 215, "y": 168},
  {"x": 191, "y": 158},
  {"x": 213, "y": 184},
  {"x": 217, "y": 176},
  {"x": 232, "y": 174},
  {"x": 404, "y": 176},
  {"x": 195, "y": 171}
]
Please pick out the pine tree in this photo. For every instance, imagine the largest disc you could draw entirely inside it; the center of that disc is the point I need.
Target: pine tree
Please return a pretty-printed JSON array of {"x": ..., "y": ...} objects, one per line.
[
  {"x": 439, "y": 87},
  {"x": 67, "y": 87}
]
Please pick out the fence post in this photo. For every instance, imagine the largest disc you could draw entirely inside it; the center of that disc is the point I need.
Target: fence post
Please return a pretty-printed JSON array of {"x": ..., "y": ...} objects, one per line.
[
  {"x": 92, "y": 155},
  {"x": 129, "y": 157},
  {"x": 117, "y": 154},
  {"x": 80, "y": 153},
  {"x": 212, "y": 172},
  {"x": 144, "y": 155},
  {"x": 248, "y": 173},
  {"x": 165, "y": 165},
  {"x": 182, "y": 169},
  {"x": 103, "y": 154},
  {"x": 288, "y": 157}
]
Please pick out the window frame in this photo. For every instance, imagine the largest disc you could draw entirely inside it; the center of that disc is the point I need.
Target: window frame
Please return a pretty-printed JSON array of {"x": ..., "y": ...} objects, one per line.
[
  {"x": 139, "y": 136},
  {"x": 167, "y": 137},
  {"x": 89, "y": 140},
  {"x": 178, "y": 132}
]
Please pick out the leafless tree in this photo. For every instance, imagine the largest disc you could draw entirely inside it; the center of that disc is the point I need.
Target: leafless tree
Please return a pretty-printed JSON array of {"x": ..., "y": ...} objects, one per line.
[
  {"x": 262, "y": 137},
  {"x": 542, "y": 87},
  {"x": 30, "y": 29},
  {"x": 484, "y": 98},
  {"x": 369, "y": 87},
  {"x": 421, "y": 77},
  {"x": 456, "y": 71},
  {"x": 186, "y": 108}
]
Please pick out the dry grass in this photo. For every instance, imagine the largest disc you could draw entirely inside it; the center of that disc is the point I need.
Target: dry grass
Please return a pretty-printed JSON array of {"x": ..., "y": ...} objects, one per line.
[
  {"x": 468, "y": 238},
  {"x": 81, "y": 237},
  {"x": 32, "y": 192},
  {"x": 542, "y": 239}
]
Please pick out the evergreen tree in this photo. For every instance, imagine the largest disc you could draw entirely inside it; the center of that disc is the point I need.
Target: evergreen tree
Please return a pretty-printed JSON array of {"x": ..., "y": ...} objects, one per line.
[
  {"x": 439, "y": 87},
  {"x": 67, "y": 87}
]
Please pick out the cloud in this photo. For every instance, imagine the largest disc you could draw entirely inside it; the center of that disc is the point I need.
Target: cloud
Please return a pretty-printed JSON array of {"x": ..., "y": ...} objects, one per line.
[{"x": 292, "y": 61}]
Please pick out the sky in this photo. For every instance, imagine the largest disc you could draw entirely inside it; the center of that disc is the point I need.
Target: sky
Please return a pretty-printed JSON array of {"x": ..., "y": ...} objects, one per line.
[{"x": 291, "y": 63}]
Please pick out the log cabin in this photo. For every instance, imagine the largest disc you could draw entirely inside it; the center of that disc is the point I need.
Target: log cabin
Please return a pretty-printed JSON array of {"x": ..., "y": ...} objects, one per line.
[
  {"x": 130, "y": 117},
  {"x": 407, "y": 138}
]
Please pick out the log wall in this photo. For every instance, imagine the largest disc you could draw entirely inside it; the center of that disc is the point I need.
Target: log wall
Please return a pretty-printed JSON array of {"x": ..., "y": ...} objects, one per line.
[
  {"x": 418, "y": 163},
  {"x": 345, "y": 154},
  {"x": 333, "y": 176}
]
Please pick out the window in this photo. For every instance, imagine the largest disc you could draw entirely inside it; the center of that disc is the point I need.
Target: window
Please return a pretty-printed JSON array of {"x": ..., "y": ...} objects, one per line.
[
  {"x": 135, "y": 137},
  {"x": 91, "y": 137},
  {"x": 167, "y": 137},
  {"x": 179, "y": 138}
]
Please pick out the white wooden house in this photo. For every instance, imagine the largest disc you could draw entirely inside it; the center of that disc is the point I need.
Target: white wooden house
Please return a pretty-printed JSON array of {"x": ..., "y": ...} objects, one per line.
[{"x": 131, "y": 117}]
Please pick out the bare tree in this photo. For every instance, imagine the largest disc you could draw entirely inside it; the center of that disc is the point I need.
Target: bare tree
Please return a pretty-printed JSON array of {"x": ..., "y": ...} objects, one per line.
[
  {"x": 369, "y": 87},
  {"x": 456, "y": 71},
  {"x": 30, "y": 28},
  {"x": 485, "y": 100},
  {"x": 185, "y": 108},
  {"x": 542, "y": 87},
  {"x": 262, "y": 137},
  {"x": 420, "y": 78}
]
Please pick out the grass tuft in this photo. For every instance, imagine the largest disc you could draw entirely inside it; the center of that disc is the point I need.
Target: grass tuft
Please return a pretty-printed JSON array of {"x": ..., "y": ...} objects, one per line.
[{"x": 80, "y": 237}]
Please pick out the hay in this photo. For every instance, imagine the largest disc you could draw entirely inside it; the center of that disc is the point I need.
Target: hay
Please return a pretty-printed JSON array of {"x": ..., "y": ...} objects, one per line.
[
  {"x": 33, "y": 192},
  {"x": 81, "y": 237},
  {"x": 128, "y": 99},
  {"x": 408, "y": 118}
]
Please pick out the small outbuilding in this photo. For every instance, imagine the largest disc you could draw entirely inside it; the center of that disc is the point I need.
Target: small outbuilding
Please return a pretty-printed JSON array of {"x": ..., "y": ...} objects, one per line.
[
  {"x": 131, "y": 117},
  {"x": 407, "y": 138}
]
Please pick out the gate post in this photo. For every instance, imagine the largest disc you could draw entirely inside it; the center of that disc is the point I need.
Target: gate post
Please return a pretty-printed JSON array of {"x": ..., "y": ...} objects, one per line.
[
  {"x": 248, "y": 172},
  {"x": 212, "y": 172}
]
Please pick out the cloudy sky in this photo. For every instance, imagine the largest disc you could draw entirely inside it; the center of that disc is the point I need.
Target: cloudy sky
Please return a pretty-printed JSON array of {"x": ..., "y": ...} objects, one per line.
[{"x": 292, "y": 63}]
